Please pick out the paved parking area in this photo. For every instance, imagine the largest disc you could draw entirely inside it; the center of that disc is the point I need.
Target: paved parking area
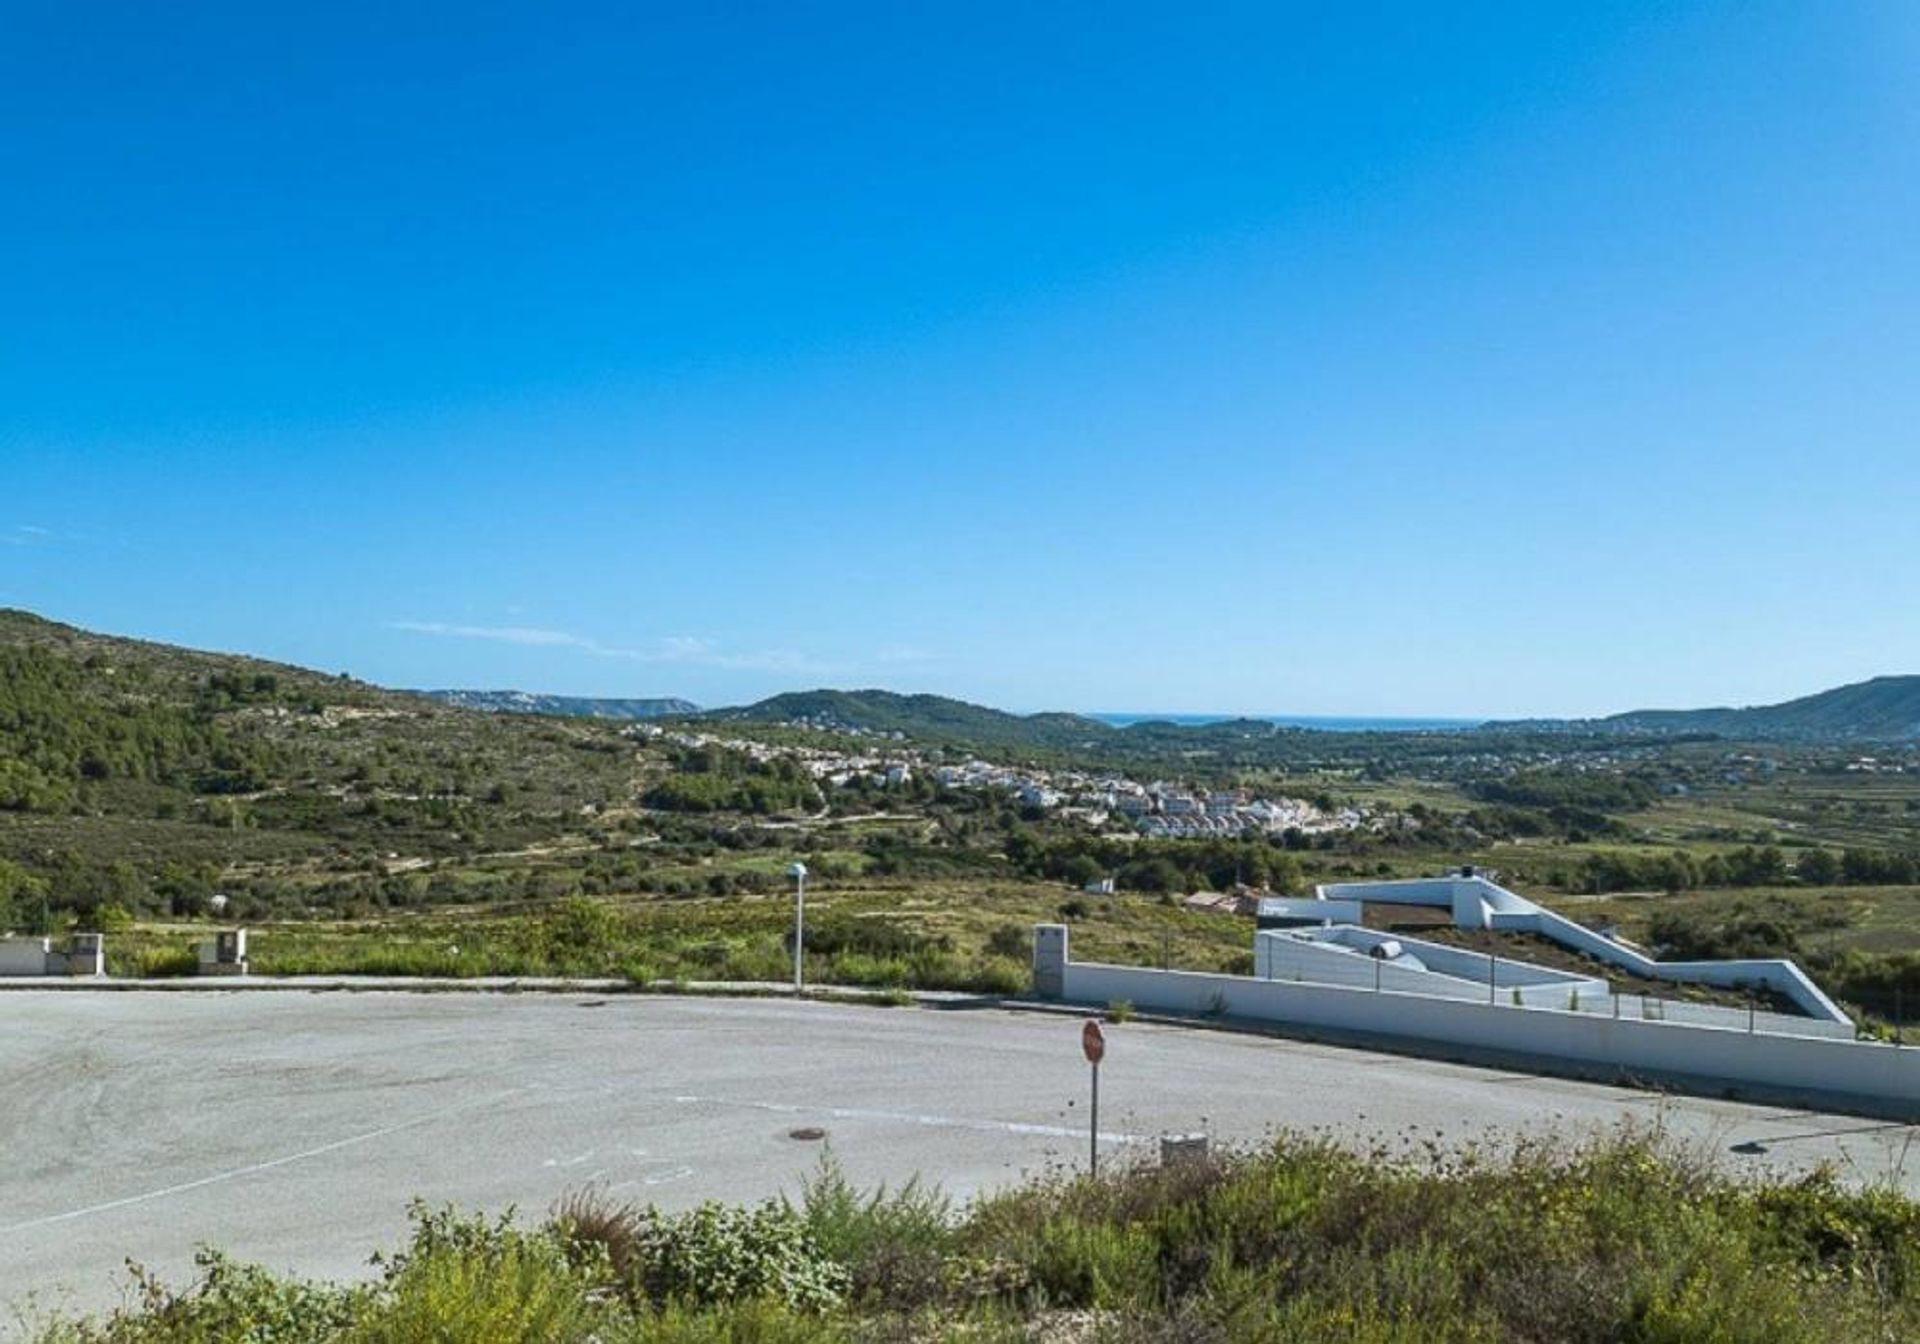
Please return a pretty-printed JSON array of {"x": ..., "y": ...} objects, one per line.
[{"x": 292, "y": 1128}]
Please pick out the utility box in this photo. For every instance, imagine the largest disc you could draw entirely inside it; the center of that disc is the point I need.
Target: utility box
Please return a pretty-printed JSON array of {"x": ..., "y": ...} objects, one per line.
[
  {"x": 1178, "y": 1148},
  {"x": 1050, "y": 960},
  {"x": 225, "y": 953},
  {"x": 86, "y": 954}
]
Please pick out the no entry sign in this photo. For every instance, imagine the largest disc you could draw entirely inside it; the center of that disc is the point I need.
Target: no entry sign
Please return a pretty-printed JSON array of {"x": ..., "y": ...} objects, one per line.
[{"x": 1092, "y": 1042}]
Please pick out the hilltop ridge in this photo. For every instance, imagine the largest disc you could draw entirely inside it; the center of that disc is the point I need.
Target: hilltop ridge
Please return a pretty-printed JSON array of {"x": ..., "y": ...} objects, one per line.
[
  {"x": 930, "y": 717},
  {"x": 1881, "y": 709}
]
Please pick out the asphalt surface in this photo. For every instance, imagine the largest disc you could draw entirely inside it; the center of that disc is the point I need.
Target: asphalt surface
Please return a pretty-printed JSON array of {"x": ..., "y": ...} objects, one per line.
[{"x": 293, "y": 1128}]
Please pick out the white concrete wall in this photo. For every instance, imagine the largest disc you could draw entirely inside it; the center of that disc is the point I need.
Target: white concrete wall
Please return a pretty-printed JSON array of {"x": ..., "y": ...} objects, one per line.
[
  {"x": 1450, "y": 972},
  {"x": 24, "y": 956},
  {"x": 1407, "y": 891},
  {"x": 1329, "y": 912},
  {"x": 1885, "y": 1077}
]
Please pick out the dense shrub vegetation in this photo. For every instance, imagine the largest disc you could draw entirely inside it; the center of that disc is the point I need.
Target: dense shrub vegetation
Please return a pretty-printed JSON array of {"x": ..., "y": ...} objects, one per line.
[
  {"x": 707, "y": 779},
  {"x": 59, "y": 738},
  {"x": 1623, "y": 1240}
]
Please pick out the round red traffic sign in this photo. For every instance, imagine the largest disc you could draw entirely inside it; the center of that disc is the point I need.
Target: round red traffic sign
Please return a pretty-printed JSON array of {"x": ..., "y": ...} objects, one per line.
[{"x": 1093, "y": 1042}]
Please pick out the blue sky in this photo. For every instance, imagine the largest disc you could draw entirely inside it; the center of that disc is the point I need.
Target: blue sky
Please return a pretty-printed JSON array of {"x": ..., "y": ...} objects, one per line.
[{"x": 1335, "y": 359}]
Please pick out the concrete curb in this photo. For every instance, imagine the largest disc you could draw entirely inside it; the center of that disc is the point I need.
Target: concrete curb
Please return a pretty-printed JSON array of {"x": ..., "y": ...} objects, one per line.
[{"x": 347, "y": 984}]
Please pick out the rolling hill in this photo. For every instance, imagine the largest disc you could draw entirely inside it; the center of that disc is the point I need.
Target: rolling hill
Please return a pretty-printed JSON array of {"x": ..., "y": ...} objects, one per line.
[
  {"x": 928, "y": 718},
  {"x": 1884, "y": 709},
  {"x": 137, "y": 773}
]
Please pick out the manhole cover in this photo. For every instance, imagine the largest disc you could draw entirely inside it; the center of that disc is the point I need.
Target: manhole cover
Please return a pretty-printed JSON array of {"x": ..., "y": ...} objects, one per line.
[
  {"x": 807, "y": 1134},
  {"x": 594, "y": 1003}
]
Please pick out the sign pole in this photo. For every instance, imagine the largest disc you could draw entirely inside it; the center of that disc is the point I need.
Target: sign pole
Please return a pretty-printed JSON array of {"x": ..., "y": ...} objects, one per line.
[
  {"x": 798, "y": 872},
  {"x": 1093, "y": 1044},
  {"x": 1093, "y": 1137}
]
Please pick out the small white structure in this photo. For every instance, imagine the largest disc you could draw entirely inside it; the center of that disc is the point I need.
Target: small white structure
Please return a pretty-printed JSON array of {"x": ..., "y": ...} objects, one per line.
[
  {"x": 84, "y": 954},
  {"x": 225, "y": 953}
]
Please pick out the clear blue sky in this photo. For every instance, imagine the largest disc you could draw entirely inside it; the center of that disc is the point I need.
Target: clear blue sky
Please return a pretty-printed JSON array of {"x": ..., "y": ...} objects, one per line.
[{"x": 1416, "y": 359}]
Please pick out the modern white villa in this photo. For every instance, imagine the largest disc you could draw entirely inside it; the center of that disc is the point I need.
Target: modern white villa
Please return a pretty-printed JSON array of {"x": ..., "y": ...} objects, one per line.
[
  {"x": 1319, "y": 968},
  {"x": 1324, "y": 940}
]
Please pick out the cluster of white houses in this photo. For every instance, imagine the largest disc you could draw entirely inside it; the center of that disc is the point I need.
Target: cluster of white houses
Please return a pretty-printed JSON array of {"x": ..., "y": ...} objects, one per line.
[{"x": 1159, "y": 809}]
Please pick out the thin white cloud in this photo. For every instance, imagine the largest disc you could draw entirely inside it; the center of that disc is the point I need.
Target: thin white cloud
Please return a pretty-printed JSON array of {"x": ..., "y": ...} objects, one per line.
[
  {"x": 504, "y": 634},
  {"x": 688, "y": 650},
  {"x": 31, "y": 534}
]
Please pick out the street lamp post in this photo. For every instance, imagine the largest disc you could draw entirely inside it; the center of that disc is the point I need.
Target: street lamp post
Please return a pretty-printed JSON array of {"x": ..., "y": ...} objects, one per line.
[{"x": 798, "y": 872}]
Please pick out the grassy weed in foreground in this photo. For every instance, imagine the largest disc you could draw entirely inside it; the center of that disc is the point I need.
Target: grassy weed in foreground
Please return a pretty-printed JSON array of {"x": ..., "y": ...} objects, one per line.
[{"x": 1623, "y": 1239}]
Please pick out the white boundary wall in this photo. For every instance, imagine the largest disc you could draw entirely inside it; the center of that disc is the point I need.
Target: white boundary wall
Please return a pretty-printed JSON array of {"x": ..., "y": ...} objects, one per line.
[
  {"x": 25, "y": 956},
  {"x": 1882, "y": 1078}
]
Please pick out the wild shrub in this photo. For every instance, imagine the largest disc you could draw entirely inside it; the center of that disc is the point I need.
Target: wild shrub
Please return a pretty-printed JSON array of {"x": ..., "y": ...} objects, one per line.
[
  {"x": 715, "y": 1254},
  {"x": 1013, "y": 941},
  {"x": 998, "y": 975},
  {"x": 153, "y": 963},
  {"x": 763, "y": 960},
  {"x": 227, "y": 1300},
  {"x": 860, "y": 968},
  {"x": 893, "y": 1243},
  {"x": 595, "y": 1227},
  {"x": 872, "y": 935}
]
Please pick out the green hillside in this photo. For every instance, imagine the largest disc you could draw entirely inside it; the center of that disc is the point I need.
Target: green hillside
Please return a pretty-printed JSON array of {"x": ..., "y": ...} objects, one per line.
[
  {"x": 926, "y": 718},
  {"x": 139, "y": 774},
  {"x": 1884, "y": 709}
]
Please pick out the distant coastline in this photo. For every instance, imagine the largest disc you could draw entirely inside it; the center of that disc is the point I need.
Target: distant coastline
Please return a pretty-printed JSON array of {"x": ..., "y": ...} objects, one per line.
[{"x": 1319, "y": 723}]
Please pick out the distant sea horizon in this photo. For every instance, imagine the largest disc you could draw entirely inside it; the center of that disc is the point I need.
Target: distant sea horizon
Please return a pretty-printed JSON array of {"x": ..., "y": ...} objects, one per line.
[{"x": 1326, "y": 723}]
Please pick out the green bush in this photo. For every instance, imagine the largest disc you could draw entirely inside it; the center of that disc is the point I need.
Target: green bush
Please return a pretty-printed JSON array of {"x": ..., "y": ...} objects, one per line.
[
  {"x": 154, "y": 963},
  {"x": 997, "y": 975},
  {"x": 766, "y": 960},
  {"x": 481, "y": 1281},
  {"x": 893, "y": 1243},
  {"x": 860, "y": 968},
  {"x": 714, "y": 1254},
  {"x": 226, "y": 1301}
]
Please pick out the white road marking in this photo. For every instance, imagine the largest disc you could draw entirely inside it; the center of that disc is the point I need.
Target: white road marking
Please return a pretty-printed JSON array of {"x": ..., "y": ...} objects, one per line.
[
  {"x": 903, "y": 1117},
  {"x": 252, "y": 1170}
]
